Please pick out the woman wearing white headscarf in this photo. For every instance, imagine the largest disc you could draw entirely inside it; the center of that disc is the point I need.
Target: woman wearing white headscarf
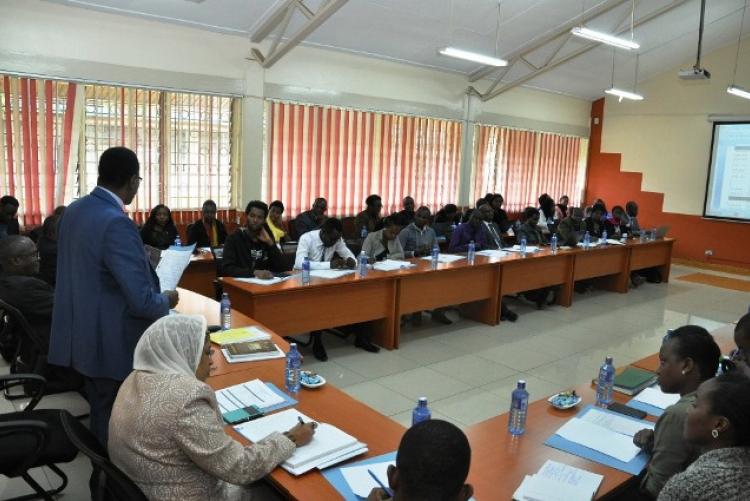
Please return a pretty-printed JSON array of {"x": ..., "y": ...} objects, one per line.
[{"x": 166, "y": 432}]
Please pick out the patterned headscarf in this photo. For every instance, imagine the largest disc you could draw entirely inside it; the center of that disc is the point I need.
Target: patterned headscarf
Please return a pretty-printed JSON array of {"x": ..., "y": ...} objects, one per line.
[{"x": 172, "y": 345}]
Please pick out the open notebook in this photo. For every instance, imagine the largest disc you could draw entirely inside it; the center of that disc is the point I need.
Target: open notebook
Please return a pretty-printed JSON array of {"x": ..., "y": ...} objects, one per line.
[{"x": 328, "y": 446}]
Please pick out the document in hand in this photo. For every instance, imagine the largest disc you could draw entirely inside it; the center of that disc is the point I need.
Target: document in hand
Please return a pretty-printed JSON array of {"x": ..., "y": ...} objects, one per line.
[
  {"x": 558, "y": 482},
  {"x": 445, "y": 258},
  {"x": 392, "y": 265},
  {"x": 328, "y": 446},
  {"x": 171, "y": 266}
]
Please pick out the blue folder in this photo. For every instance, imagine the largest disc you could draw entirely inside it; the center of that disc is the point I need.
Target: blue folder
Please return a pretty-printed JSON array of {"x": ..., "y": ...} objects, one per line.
[
  {"x": 336, "y": 479},
  {"x": 648, "y": 409},
  {"x": 634, "y": 466}
]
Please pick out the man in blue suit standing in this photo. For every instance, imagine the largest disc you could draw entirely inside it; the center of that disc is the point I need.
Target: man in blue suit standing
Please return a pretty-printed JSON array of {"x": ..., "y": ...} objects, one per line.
[{"x": 107, "y": 292}]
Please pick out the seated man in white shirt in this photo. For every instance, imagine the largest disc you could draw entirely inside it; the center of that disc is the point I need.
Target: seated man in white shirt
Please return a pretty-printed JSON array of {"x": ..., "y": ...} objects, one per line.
[{"x": 326, "y": 250}]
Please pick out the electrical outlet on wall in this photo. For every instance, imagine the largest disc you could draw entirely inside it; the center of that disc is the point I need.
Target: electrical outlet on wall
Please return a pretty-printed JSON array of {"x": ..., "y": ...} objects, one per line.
[{"x": 709, "y": 252}]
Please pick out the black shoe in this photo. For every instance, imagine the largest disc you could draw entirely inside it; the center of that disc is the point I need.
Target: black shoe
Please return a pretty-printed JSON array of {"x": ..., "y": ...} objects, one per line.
[
  {"x": 416, "y": 319},
  {"x": 365, "y": 344},
  {"x": 441, "y": 318},
  {"x": 319, "y": 351},
  {"x": 511, "y": 315}
]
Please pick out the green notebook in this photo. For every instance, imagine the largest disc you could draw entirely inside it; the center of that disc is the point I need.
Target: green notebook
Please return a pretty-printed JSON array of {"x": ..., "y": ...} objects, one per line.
[{"x": 632, "y": 380}]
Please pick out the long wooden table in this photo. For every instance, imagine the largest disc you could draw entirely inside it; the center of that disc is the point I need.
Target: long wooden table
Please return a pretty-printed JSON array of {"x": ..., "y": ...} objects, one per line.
[
  {"x": 499, "y": 460},
  {"x": 290, "y": 308}
]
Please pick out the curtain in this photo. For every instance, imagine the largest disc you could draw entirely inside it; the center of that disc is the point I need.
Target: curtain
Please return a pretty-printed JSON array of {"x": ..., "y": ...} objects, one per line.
[
  {"x": 521, "y": 165},
  {"x": 344, "y": 155},
  {"x": 39, "y": 131}
]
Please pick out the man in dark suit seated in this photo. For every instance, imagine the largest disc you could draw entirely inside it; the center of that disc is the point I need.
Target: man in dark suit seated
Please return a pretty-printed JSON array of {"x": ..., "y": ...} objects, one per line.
[
  {"x": 20, "y": 288},
  {"x": 251, "y": 251},
  {"x": 370, "y": 219},
  {"x": 8, "y": 221},
  {"x": 207, "y": 231},
  {"x": 311, "y": 219},
  {"x": 406, "y": 217},
  {"x": 572, "y": 228},
  {"x": 47, "y": 245}
]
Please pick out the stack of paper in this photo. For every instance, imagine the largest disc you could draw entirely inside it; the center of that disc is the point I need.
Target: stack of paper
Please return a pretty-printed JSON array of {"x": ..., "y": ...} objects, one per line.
[
  {"x": 264, "y": 281},
  {"x": 253, "y": 357},
  {"x": 239, "y": 335},
  {"x": 361, "y": 482},
  {"x": 492, "y": 253},
  {"x": 614, "y": 242},
  {"x": 329, "y": 445},
  {"x": 171, "y": 266},
  {"x": 445, "y": 258},
  {"x": 605, "y": 432},
  {"x": 529, "y": 248},
  {"x": 239, "y": 396},
  {"x": 558, "y": 482},
  {"x": 592, "y": 244},
  {"x": 392, "y": 265},
  {"x": 655, "y": 397},
  {"x": 330, "y": 273}
]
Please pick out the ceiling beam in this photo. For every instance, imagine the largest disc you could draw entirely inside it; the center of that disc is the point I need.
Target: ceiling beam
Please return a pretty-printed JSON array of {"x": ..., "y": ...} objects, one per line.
[
  {"x": 552, "y": 65},
  {"x": 280, "y": 19},
  {"x": 545, "y": 38}
]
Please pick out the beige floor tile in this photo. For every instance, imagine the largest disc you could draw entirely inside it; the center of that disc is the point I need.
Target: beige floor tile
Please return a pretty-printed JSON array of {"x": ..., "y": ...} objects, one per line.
[
  {"x": 334, "y": 373},
  {"x": 374, "y": 365},
  {"x": 537, "y": 387},
  {"x": 517, "y": 357},
  {"x": 404, "y": 418},
  {"x": 472, "y": 370},
  {"x": 423, "y": 382},
  {"x": 382, "y": 399},
  {"x": 473, "y": 406}
]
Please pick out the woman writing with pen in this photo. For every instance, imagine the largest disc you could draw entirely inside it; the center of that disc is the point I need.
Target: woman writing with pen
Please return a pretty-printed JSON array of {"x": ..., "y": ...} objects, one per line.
[{"x": 166, "y": 432}]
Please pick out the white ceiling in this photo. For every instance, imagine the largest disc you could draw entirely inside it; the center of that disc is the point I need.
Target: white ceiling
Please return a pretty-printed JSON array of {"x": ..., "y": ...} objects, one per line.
[{"x": 412, "y": 30}]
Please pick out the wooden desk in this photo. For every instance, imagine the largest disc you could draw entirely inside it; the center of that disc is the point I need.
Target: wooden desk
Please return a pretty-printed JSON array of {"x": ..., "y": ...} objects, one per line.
[
  {"x": 609, "y": 265},
  {"x": 200, "y": 274},
  {"x": 654, "y": 254},
  {"x": 292, "y": 308},
  {"x": 538, "y": 270},
  {"x": 327, "y": 404}
]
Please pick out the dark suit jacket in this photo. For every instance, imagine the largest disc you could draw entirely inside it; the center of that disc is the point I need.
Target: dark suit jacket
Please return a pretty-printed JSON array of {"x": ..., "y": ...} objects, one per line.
[
  {"x": 197, "y": 235},
  {"x": 47, "y": 259},
  {"x": 107, "y": 293},
  {"x": 12, "y": 227},
  {"x": 34, "y": 299},
  {"x": 465, "y": 233},
  {"x": 305, "y": 222},
  {"x": 571, "y": 232},
  {"x": 531, "y": 233}
]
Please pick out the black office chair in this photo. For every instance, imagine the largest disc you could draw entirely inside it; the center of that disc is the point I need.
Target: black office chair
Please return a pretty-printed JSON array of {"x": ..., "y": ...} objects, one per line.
[
  {"x": 112, "y": 483},
  {"x": 31, "y": 357},
  {"x": 9, "y": 338},
  {"x": 33, "y": 438}
]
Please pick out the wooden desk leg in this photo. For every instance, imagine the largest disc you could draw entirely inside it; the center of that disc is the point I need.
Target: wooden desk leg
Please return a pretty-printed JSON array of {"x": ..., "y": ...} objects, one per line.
[
  {"x": 481, "y": 311},
  {"x": 664, "y": 271},
  {"x": 386, "y": 331},
  {"x": 565, "y": 292},
  {"x": 615, "y": 283}
]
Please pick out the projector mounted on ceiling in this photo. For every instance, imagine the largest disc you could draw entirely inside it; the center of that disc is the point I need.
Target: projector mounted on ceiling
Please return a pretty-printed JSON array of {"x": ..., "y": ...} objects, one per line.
[{"x": 696, "y": 72}]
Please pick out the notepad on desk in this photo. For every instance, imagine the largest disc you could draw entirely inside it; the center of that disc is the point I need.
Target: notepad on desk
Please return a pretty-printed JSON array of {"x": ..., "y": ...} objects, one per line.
[
  {"x": 328, "y": 443},
  {"x": 529, "y": 248},
  {"x": 239, "y": 335},
  {"x": 242, "y": 395},
  {"x": 330, "y": 274},
  {"x": 492, "y": 253},
  {"x": 558, "y": 482},
  {"x": 445, "y": 258},
  {"x": 264, "y": 281},
  {"x": 392, "y": 265}
]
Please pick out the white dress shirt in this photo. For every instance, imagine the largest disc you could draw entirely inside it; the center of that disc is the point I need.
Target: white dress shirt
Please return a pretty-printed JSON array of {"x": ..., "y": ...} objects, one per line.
[
  {"x": 311, "y": 246},
  {"x": 115, "y": 197}
]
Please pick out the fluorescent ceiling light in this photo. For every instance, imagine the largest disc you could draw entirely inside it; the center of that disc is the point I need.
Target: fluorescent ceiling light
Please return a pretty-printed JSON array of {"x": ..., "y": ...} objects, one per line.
[
  {"x": 623, "y": 94},
  {"x": 598, "y": 36},
  {"x": 473, "y": 56},
  {"x": 738, "y": 91}
]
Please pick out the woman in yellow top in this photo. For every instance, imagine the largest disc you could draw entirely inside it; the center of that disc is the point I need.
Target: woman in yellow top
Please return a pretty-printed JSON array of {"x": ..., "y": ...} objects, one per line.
[{"x": 275, "y": 210}]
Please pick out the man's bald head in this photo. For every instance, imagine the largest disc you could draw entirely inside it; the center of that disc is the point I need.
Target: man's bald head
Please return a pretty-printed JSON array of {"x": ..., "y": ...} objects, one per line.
[{"x": 18, "y": 255}]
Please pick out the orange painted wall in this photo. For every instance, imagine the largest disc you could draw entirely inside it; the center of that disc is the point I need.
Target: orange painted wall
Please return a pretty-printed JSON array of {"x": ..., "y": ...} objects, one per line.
[{"x": 730, "y": 242}]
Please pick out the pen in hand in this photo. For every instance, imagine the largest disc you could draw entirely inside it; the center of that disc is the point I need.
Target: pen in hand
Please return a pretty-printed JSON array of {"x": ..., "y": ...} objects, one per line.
[{"x": 388, "y": 491}]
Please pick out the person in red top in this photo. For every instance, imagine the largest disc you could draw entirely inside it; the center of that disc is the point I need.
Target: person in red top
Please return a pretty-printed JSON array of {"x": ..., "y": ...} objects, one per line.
[{"x": 207, "y": 231}]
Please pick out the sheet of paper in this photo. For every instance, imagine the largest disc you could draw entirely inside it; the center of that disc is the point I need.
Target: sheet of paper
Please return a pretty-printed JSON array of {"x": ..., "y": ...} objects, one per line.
[
  {"x": 613, "y": 422},
  {"x": 445, "y": 258},
  {"x": 242, "y": 395},
  {"x": 239, "y": 335},
  {"x": 360, "y": 481},
  {"x": 171, "y": 266},
  {"x": 330, "y": 273},
  {"x": 262, "y": 281},
  {"x": 614, "y": 242},
  {"x": 600, "y": 439},
  {"x": 529, "y": 248},
  {"x": 492, "y": 253},
  {"x": 570, "y": 476},
  {"x": 654, "y": 396},
  {"x": 592, "y": 244},
  {"x": 392, "y": 265}
]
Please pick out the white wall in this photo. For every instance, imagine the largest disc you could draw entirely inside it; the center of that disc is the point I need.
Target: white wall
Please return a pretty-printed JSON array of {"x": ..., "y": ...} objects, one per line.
[
  {"x": 47, "y": 39},
  {"x": 667, "y": 136}
]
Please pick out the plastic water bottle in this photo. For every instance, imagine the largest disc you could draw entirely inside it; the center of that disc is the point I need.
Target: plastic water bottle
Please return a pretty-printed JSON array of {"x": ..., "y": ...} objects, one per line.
[
  {"x": 421, "y": 412},
  {"x": 643, "y": 237},
  {"x": 362, "y": 264},
  {"x": 293, "y": 364},
  {"x": 522, "y": 246},
  {"x": 178, "y": 241},
  {"x": 624, "y": 238},
  {"x": 653, "y": 234},
  {"x": 606, "y": 383},
  {"x": 363, "y": 233},
  {"x": 553, "y": 242},
  {"x": 472, "y": 252},
  {"x": 604, "y": 237},
  {"x": 226, "y": 312},
  {"x": 435, "y": 256},
  {"x": 519, "y": 406},
  {"x": 306, "y": 271},
  {"x": 587, "y": 240}
]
